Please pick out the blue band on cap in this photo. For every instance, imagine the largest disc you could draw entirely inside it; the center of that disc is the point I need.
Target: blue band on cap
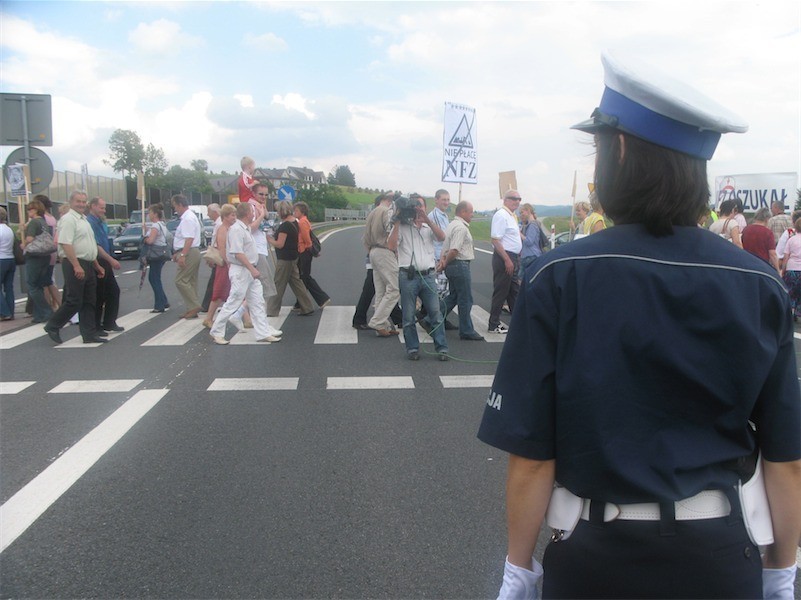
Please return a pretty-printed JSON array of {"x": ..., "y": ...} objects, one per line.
[{"x": 642, "y": 122}]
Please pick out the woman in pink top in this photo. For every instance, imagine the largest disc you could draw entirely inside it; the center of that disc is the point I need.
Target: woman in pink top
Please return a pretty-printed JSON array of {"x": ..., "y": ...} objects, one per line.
[{"x": 791, "y": 268}]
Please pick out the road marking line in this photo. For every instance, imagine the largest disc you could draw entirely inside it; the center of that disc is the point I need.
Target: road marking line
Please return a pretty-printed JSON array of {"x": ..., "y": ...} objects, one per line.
[
  {"x": 14, "y": 387},
  {"x": 95, "y": 385},
  {"x": 466, "y": 381},
  {"x": 480, "y": 319},
  {"x": 177, "y": 334},
  {"x": 369, "y": 383},
  {"x": 21, "y": 336},
  {"x": 796, "y": 334},
  {"x": 223, "y": 384},
  {"x": 23, "y": 508},
  {"x": 482, "y": 250},
  {"x": 129, "y": 321},
  {"x": 278, "y": 322},
  {"x": 336, "y": 326}
]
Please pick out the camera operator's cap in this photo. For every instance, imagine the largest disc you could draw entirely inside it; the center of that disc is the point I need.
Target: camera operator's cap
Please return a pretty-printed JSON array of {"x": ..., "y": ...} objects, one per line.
[{"x": 646, "y": 103}]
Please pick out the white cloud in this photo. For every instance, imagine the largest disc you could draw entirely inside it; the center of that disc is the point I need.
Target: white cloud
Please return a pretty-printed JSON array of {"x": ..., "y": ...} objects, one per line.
[
  {"x": 266, "y": 42},
  {"x": 294, "y": 102},
  {"x": 162, "y": 37}
]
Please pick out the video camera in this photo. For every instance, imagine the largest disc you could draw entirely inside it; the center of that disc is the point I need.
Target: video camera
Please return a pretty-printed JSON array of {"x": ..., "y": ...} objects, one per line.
[{"x": 405, "y": 209}]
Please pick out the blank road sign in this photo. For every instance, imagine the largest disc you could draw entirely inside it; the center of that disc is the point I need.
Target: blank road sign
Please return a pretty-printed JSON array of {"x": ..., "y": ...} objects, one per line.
[{"x": 40, "y": 121}]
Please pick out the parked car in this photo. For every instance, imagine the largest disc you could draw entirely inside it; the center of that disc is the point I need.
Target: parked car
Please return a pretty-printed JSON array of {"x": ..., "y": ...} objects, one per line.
[
  {"x": 562, "y": 238},
  {"x": 208, "y": 230},
  {"x": 135, "y": 217},
  {"x": 126, "y": 244}
]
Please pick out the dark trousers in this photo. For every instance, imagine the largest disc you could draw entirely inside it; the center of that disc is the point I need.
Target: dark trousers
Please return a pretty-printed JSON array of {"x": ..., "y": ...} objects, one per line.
[
  {"x": 460, "y": 293},
  {"x": 107, "y": 305},
  {"x": 154, "y": 277},
  {"x": 304, "y": 267},
  {"x": 363, "y": 305},
  {"x": 79, "y": 297},
  {"x": 204, "y": 306},
  {"x": 7, "y": 269},
  {"x": 709, "y": 558},
  {"x": 505, "y": 287},
  {"x": 37, "y": 275}
]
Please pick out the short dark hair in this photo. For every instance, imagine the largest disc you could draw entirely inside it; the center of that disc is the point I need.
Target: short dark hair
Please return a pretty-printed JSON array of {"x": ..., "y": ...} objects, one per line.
[
  {"x": 726, "y": 207},
  {"x": 179, "y": 199},
  {"x": 44, "y": 200},
  {"x": 303, "y": 208},
  {"x": 654, "y": 186}
]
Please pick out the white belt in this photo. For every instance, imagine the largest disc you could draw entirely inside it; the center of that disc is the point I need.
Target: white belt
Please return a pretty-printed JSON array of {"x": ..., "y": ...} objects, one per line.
[{"x": 709, "y": 504}]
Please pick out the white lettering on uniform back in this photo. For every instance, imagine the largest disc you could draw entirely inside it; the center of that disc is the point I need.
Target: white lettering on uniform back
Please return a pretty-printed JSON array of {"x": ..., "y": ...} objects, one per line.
[{"x": 494, "y": 400}]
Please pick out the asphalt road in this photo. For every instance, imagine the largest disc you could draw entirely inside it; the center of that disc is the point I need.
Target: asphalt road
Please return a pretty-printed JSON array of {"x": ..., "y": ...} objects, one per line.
[{"x": 168, "y": 482}]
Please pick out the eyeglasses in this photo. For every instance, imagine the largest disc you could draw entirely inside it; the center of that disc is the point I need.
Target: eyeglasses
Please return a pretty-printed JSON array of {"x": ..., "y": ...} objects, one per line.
[{"x": 261, "y": 194}]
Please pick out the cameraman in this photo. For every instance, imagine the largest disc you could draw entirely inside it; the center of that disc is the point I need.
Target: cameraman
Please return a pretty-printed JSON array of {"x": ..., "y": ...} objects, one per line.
[{"x": 412, "y": 236}]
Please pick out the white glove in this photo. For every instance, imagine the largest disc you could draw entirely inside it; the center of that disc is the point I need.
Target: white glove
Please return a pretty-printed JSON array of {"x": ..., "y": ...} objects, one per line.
[
  {"x": 777, "y": 584},
  {"x": 520, "y": 583}
]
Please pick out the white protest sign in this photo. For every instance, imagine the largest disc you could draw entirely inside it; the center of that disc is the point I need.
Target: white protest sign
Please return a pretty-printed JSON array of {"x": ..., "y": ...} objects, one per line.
[
  {"x": 460, "y": 155},
  {"x": 757, "y": 190}
]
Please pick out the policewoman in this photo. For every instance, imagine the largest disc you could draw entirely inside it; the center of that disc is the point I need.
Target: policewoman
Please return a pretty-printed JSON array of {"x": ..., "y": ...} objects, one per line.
[{"x": 645, "y": 366}]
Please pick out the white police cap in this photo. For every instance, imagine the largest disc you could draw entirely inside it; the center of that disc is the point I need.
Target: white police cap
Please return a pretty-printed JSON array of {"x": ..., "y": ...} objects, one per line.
[{"x": 640, "y": 100}]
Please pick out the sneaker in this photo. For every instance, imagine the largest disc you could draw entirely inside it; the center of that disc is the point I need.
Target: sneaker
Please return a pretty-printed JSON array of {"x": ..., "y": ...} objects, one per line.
[
  {"x": 413, "y": 355},
  {"x": 270, "y": 339},
  {"x": 218, "y": 339},
  {"x": 501, "y": 328},
  {"x": 276, "y": 333}
]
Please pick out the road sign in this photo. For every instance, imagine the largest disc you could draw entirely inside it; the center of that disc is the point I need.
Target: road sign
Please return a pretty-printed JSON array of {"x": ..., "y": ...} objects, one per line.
[
  {"x": 287, "y": 192},
  {"x": 41, "y": 167},
  {"x": 36, "y": 119}
]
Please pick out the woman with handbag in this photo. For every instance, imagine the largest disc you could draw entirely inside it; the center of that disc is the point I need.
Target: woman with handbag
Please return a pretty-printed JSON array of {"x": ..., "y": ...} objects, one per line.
[
  {"x": 39, "y": 246},
  {"x": 157, "y": 252},
  {"x": 217, "y": 254},
  {"x": 8, "y": 265}
]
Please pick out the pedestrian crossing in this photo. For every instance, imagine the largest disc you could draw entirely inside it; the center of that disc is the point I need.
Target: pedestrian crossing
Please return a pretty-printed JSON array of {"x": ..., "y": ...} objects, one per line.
[
  {"x": 256, "y": 384},
  {"x": 334, "y": 327}
]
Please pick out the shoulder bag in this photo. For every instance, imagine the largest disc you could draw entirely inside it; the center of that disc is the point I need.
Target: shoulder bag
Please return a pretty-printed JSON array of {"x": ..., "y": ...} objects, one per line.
[
  {"x": 316, "y": 246},
  {"x": 19, "y": 254},
  {"x": 42, "y": 244},
  {"x": 153, "y": 253}
]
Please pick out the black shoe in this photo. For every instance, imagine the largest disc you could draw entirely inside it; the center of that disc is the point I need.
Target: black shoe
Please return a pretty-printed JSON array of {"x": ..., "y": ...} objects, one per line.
[
  {"x": 473, "y": 337},
  {"x": 115, "y": 328},
  {"x": 413, "y": 355},
  {"x": 54, "y": 335},
  {"x": 100, "y": 333},
  {"x": 443, "y": 356},
  {"x": 450, "y": 326},
  {"x": 361, "y": 326},
  {"x": 95, "y": 340}
]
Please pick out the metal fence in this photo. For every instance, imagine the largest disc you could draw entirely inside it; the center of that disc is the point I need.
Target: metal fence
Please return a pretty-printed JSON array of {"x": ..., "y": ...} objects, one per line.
[{"x": 341, "y": 214}]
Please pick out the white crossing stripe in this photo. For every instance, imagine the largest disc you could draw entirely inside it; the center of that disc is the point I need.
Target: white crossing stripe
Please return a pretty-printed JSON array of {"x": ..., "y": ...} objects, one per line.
[
  {"x": 242, "y": 384},
  {"x": 466, "y": 381},
  {"x": 278, "y": 322},
  {"x": 481, "y": 324},
  {"x": 20, "y": 336},
  {"x": 129, "y": 321},
  {"x": 422, "y": 335},
  {"x": 369, "y": 383},
  {"x": 14, "y": 387},
  {"x": 23, "y": 508},
  {"x": 177, "y": 334},
  {"x": 95, "y": 385},
  {"x": 797, "y": 335},
  {"x": 336, "y": 326}
]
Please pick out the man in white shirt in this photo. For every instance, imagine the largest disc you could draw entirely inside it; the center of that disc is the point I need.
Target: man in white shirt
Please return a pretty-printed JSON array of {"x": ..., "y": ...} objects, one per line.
[
  {"x": 265, "y": 264},
  {"x": 186, "y": 253},
  {"x": 507, "y": 244},
  {"x": 242, "y": 257}
]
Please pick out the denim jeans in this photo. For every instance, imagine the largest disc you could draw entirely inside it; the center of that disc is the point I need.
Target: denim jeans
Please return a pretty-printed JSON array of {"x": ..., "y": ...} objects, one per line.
[
  {"x": 426, "y": 288},
  {"x": 154, "y": 278},
  {"x": 37, "y": 269},
  {"x": 460, "y": 294},
  {"x": 7, "y": 269}
]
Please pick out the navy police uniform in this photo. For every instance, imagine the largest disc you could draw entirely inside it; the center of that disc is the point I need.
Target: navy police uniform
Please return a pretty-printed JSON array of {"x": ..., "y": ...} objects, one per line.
[{"x": 648, "y": 368}]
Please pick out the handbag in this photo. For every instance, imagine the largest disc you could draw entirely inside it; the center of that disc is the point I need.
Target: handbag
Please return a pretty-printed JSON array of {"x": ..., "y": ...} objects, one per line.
[
  {"x": 42, "y": 245},
  {"x": 213, "y": 255},
  {"x": 19, "y": 254},
  {"x": 153, "y": 253},
  {"x": 316, "y": 246}
]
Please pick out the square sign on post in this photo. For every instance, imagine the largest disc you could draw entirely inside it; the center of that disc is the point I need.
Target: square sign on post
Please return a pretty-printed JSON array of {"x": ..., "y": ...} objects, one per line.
[
  {"x": 460, "y": 153},
  {"x": 38, "y": 114}
]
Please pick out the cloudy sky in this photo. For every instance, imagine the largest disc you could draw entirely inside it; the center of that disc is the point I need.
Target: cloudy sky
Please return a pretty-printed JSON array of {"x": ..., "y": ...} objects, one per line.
[{"x": 364, "y": 84}]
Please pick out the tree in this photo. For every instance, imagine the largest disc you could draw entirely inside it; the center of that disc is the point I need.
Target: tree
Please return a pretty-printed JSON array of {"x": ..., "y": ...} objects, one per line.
[
  {"x": 342, "y": 175},
  {"x": 798, "y": 199},
  {"x": 154, "y": 163},
  {"x": 199, "y": 165},
  {"x": 178, "y": 179},
  {"x": 320, "y": 198},
  {"x": 126, "y": 152}
]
